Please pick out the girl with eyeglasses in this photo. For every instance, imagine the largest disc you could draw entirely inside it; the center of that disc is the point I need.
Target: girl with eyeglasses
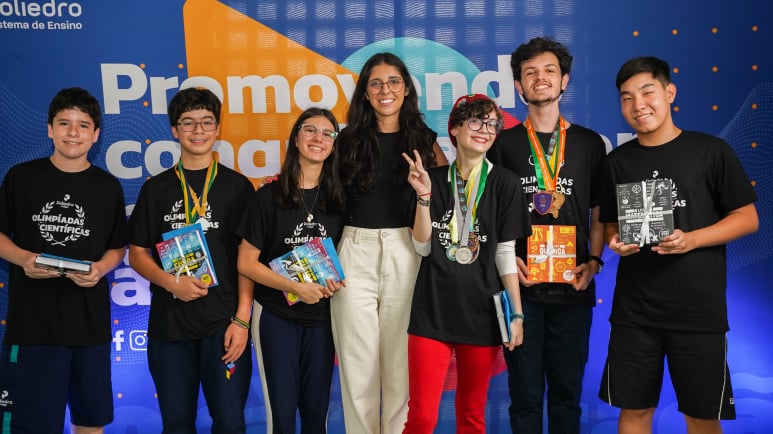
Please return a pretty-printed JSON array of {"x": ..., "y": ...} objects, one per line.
[
  {"x": 467, "y": 220},
  {"x": 370, "y": 315},
  {"x": 291, "y": 320}
]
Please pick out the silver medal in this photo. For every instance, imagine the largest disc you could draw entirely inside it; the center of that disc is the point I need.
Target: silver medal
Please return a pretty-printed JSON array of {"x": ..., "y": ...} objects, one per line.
[{"x": 464, "y": 255}]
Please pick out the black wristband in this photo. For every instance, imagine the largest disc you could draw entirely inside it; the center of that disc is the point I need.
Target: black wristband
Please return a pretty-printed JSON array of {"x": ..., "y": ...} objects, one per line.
[{"x": 598, "y": 261}]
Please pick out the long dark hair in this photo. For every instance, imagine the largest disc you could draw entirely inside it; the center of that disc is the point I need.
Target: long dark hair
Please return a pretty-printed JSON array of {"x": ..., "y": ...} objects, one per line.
[
  {"x": 360, "y": 153},
  {"x": 331, "y": 193}
]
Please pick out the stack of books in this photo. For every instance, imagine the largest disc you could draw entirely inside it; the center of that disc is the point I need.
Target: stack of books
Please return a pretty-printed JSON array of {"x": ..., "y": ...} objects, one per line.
[
  {"x": 185, "y": 251},
  {"x": 645, "y": 211},
  {"x": 551, "y": 253},
  {"x": 315, "y": 261}
]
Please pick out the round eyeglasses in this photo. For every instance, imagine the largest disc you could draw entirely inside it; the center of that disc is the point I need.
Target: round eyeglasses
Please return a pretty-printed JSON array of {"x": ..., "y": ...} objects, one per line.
[
  {"x": 493, "y": 126},
  {"x": 189, "y": 125},
  {"x": 310, "y": 131},
  {"x": 393, "y": 84}
]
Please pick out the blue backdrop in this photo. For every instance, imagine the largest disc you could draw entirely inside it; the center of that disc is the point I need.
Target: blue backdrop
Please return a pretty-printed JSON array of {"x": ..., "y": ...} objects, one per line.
[{"x": 271, "y": 59}]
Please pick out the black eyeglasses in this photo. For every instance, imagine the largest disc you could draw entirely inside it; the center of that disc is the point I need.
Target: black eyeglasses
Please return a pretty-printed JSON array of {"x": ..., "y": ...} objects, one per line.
[
  {"x": 394, "y": 84},
  {"x": 189, "y": 125},
  {"x": 310, "y": 131},
  {"x": 493, "y": 126}
]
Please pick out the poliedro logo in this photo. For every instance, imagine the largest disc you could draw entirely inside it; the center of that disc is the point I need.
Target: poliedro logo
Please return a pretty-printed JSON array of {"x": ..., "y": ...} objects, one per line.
[{"x": 50, "y": 9}]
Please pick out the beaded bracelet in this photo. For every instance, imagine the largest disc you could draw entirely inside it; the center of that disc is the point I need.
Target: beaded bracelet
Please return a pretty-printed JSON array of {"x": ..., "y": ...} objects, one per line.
[{"x": 240, "y": 322}]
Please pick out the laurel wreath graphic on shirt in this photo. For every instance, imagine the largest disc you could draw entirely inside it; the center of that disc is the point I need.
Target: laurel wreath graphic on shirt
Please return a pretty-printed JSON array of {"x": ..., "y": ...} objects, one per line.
[
  {"x": 47, "y": 236},
  {"x": 299, "y": 229},
  {"x": 446, "y": 218}
]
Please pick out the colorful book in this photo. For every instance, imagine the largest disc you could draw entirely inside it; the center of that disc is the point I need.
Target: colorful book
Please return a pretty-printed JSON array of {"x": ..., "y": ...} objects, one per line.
[
  {"x": 645, "y": 211},
  {"x": 62, "y": 264},
  {"x": 185, "y": 250},
  {"x": 504, "y": 311},
  {"x": 315, "y": 261},
  {"x": 551, "y": 253}
]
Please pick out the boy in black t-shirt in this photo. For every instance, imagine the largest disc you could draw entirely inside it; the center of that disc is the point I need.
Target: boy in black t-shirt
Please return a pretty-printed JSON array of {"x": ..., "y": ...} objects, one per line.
[
  {"x": 670, "y": 299},
  {"x": 559, "y": 164},
  {"x": 197, "y": 334},
  {"x": 57, "y": 346}
]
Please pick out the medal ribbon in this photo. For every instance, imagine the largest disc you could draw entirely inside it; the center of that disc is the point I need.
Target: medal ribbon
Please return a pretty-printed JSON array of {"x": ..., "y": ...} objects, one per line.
[
  {"x": 466, "y": 199},
  {"x": 547, "y": 170},
  {"x": 199, "y": 208}
]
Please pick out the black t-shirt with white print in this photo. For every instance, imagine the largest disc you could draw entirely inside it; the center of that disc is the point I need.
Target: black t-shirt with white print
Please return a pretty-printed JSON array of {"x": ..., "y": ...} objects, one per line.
[
  {"x": 76, "y": 215},
  {"x": 160, "y": 209},
  {"x": 579, "y": 179},
  {"x": 276, "y": 231},
  {"x": 453, "y": 302},
  {"x": 684, "y": 292}
]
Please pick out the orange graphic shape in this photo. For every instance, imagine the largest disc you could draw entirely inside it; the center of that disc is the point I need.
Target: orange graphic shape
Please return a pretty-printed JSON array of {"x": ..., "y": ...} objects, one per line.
[{"x": 221, "y": 42}]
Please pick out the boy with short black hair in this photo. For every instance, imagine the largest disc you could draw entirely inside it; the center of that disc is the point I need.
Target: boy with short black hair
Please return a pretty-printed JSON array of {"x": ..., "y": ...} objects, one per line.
[
  {"x": 670, "y": 298},
  {"x": 57, "y": 344},
  {"x": 197, "y": 335}
]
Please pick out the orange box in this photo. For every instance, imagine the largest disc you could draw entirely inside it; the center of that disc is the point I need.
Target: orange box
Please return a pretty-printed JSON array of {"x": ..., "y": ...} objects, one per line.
[{"x": 552, "y": 253}]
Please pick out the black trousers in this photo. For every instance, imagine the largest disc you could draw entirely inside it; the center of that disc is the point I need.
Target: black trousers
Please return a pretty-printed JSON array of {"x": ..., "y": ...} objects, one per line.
[{"x": 550, "y": 363}]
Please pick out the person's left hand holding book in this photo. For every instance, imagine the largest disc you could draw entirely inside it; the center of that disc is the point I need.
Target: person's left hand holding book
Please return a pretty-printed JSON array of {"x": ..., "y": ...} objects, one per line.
[{"x": 309, "y": 292}]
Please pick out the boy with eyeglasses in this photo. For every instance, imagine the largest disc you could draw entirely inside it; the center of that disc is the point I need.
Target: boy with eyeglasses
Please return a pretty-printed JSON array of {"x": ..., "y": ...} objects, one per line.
[
  {"x": 56, "y": 350},
  {"x": 197, "y": 334},
  {"x": 559, "y": 164}
]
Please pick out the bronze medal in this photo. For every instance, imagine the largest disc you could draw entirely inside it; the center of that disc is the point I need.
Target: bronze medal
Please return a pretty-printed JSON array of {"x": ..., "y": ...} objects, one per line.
[{"x": 557, "y": 202}]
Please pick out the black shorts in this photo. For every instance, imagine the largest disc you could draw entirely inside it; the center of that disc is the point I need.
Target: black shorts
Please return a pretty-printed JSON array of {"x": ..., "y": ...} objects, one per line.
[
  {"x": 38, "y": 381},
  {"x": 697, "y": 363}
]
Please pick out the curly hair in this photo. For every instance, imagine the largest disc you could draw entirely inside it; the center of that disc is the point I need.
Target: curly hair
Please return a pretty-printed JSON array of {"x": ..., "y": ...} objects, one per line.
[
  {"x": 479, "y": 107},
  {"x": 289, "y": 193},
  {"x": 534, "y": 48},
  {"x": 360, "y": 153}
]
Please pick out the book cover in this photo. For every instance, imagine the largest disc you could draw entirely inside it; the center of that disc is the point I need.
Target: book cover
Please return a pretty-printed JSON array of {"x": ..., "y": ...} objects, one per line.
[
  {"x": 185, "y": 250},
  {"x": 62, "y": 264},
  {"x": 315, "y": 261},
  {"x": 645, "y": 211},
  {"x": 504, "y": 312},
  {"x": 551, "y": 253}
]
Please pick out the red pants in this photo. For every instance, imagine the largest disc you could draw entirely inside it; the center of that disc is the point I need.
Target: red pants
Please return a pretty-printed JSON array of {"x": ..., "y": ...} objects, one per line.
[{"x": 428, "y": 362}]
